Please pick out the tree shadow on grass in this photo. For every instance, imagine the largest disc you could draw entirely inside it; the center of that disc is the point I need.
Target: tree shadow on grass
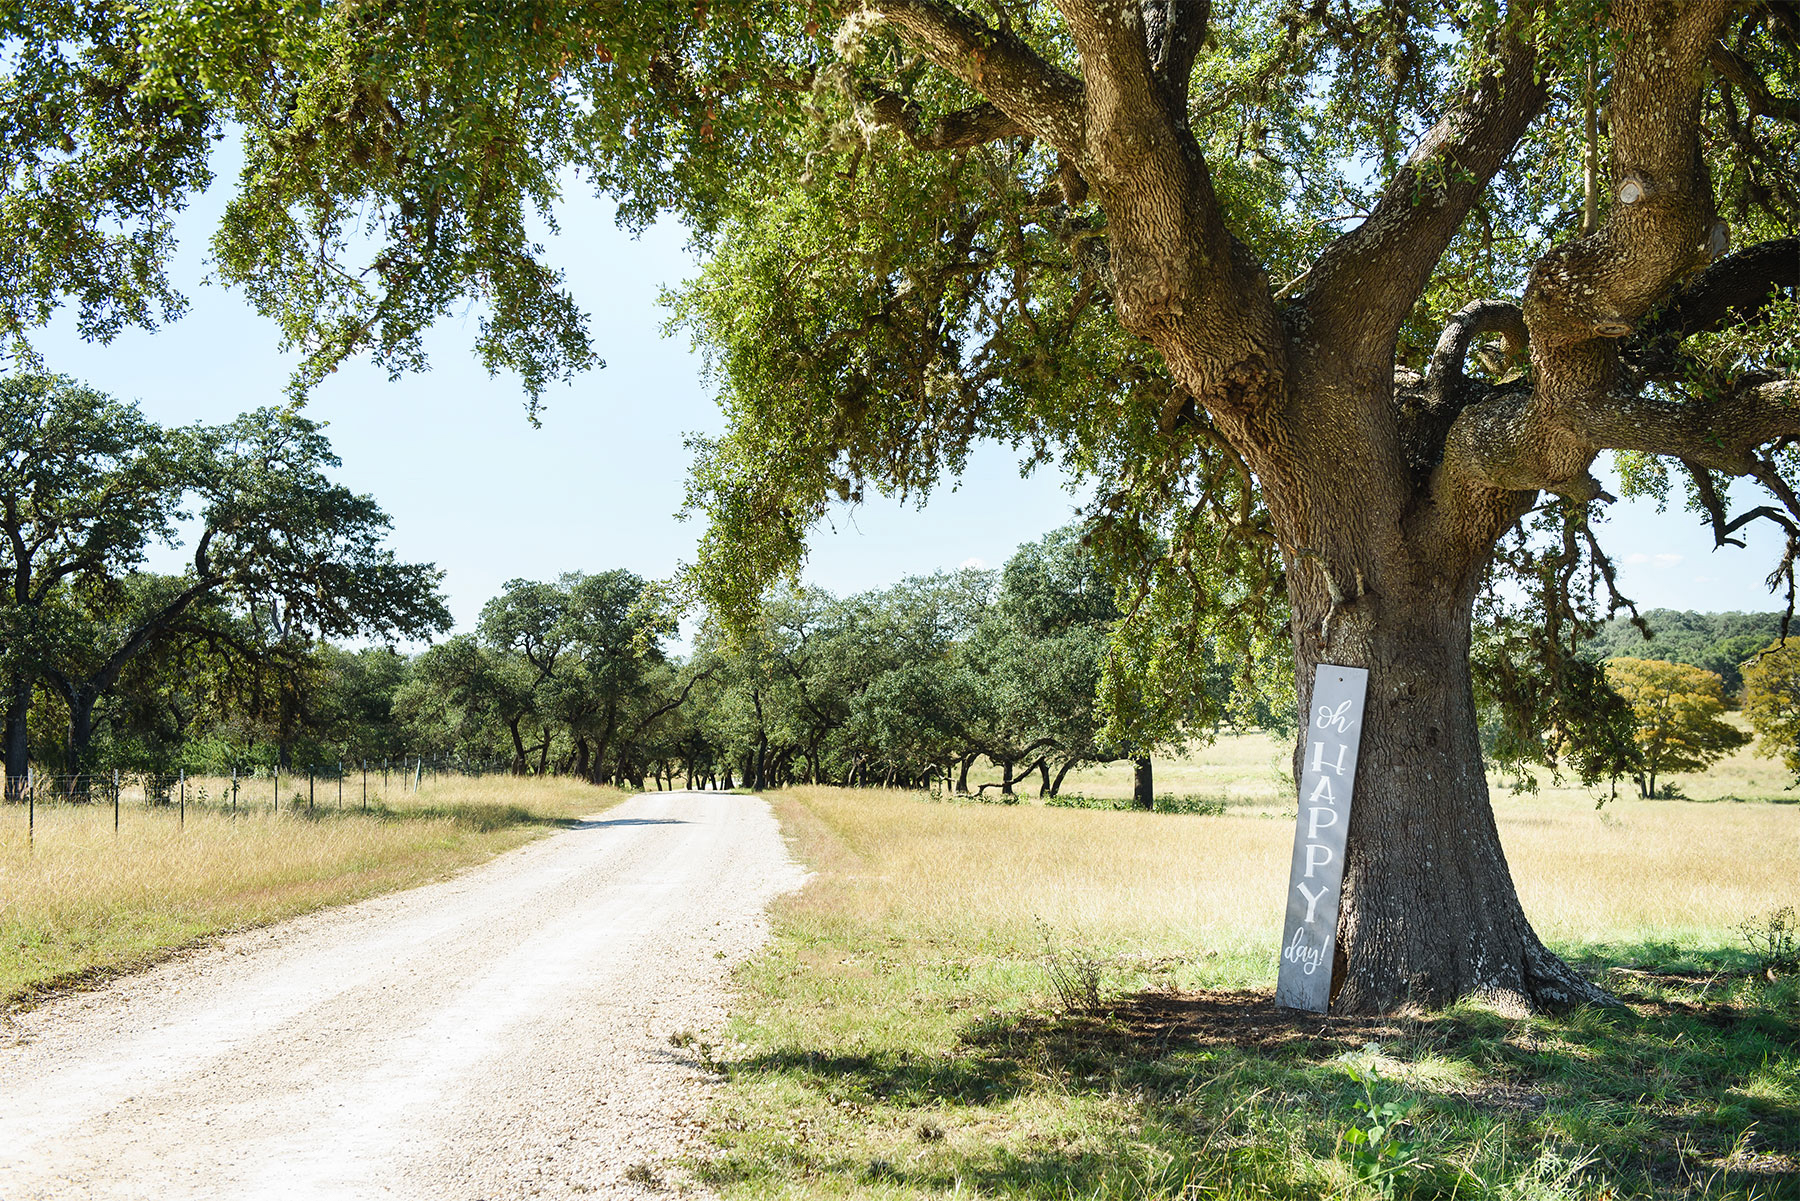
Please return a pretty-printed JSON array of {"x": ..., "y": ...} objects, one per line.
[
  {"x": 476, "y": 816},
  {"x": 1692, "y": 1089},
  {"x": 609, "y": 823}
]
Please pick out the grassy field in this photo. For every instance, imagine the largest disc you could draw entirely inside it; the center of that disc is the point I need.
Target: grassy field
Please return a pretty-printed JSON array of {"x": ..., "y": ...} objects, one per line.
[
  {"x": 905, "y": 1035},
  {"x": 80, "y": 902},
  {"x": 1255, "y": 769}
]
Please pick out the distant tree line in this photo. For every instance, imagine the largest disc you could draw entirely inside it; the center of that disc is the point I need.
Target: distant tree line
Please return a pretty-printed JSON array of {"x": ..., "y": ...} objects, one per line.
[
  {"x": 238, "y": 660},
  {"x": 901, "y": 686},
  {"x": 1652, "y": 696},
  {"x": 1717, "y": 642},
  {"x": 239, "y": 657}
]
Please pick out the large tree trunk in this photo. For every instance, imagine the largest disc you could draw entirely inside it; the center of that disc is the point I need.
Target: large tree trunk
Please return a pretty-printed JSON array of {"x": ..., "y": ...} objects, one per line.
[
  {"x": 18, "y": 742},
  {"x": 1143, "y": 783},
  {"x": 1429, "y": 912},
  {"x": 518, "y": 741},
  {"x": 81, "y": 735}
]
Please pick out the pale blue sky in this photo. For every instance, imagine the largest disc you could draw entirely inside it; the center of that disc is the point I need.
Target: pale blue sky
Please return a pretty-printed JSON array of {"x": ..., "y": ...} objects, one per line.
[{"x": 474, "y": 488}]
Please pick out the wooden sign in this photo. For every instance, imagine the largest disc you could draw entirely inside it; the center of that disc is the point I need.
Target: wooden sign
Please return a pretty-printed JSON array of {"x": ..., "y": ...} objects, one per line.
[{"x": 1327, "y": 776}]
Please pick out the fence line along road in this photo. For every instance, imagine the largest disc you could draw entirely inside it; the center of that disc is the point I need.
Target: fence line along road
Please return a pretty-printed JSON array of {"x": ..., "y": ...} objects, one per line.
[{"x": 338, "y": 786}]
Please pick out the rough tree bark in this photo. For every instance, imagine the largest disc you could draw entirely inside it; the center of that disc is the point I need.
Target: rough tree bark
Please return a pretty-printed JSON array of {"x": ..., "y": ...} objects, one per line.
[{"x": 1387, "y": 505}]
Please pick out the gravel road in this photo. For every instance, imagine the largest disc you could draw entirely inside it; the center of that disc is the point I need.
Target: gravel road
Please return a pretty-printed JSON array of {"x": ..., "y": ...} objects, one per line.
[{"x": 505, "y": 1033}]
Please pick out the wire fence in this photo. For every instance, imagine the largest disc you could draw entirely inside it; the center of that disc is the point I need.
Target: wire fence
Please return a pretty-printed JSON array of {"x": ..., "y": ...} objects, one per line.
[{"x": 340, "y": 786}]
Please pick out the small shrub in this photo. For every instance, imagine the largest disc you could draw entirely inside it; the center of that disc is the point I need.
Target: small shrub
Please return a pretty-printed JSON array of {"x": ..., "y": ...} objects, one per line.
[
  {"x": 1194, "y": 805},
  {"x": 1074, "y": 974},
  {"x": 1378, "y": 1154},
  {"x": 1774, "y": 939},
  {"x": 1199, "y": 806}
]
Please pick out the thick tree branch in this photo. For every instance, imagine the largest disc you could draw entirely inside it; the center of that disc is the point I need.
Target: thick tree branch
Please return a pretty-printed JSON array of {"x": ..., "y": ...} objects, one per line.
[
  {"x": 1662, "y": 224},
  {"x": 1586, "y": 294},
  {"x": 1735, "y": 289},
  {"x": 1742, "y": 74},
  {"x": 1174, "y": 31},
  {"x": 1179, "y": 279},
  {"x": 974, "y": 126},
  {"x": 1118, "y": 69},
  {"x": 1510, "y": 444},
  {"x": 1367, "y": 281},
  {"x": 997, "y": 63},
  {"x": 1475, "y": 320},
  {"x": 1723, "y": 434}
]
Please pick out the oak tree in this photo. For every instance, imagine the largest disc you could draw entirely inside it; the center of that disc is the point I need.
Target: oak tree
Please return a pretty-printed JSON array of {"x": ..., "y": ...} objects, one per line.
[
  {"x": 1772, "y": 701},
  {"x": 87, "y": 486},
  {"x": 1678, "y": 711},
  {"x": 1324, "y": 298}
]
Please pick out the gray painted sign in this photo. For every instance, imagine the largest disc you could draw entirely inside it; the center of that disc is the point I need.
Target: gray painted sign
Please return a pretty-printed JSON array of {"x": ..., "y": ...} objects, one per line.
[{"x": 1327, "y": 776}]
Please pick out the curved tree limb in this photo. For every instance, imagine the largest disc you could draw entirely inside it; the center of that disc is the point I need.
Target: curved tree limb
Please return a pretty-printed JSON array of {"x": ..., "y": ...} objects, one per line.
[
  {"x": 1723, "y": 524},
  {"x": 1587, "y": 293},
  {"x": 976, "y": 125},
  {"x": 1508, "y": 444},
  {"x": 1474, "y": 320},
  {"x": 996, "y": 62},
  {"x": 1590, "y": 291},
  {"x": 1743, "y": 75}
]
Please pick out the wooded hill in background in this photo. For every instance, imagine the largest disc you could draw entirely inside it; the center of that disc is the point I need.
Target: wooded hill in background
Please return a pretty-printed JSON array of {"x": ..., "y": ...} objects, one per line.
[{"x": 1719, "y": 642}]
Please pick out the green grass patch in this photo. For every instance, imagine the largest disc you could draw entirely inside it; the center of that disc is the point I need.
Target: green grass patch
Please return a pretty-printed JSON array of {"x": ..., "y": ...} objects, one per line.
[
  {"x": 1199, "y": 806},
  {"x": 888, "y": 1070}
]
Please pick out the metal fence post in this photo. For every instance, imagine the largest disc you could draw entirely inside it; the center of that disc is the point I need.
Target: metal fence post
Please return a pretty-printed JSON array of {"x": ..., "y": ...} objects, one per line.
[
  {"x": 340, "y": 785},
  {"x": 182, "y": 822},
  {"x": 234, "y": 792},
  {"x": 277, "y": 770},
  {"x": 115, "y": 801}
]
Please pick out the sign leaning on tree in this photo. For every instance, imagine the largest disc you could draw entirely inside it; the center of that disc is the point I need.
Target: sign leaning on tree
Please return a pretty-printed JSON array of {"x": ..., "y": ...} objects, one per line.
[{"x": 1327, "y": 778}]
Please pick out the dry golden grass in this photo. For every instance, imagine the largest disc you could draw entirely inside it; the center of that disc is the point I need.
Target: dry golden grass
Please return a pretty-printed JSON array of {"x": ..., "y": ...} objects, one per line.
[
  {"x": 1681, "y": 873},
  {"x": 1256, "y": 769},
  {"x": 1209, "y": 889},
  {"x": 893, "y": 859},
  {"x": 80, "y": 900}
]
